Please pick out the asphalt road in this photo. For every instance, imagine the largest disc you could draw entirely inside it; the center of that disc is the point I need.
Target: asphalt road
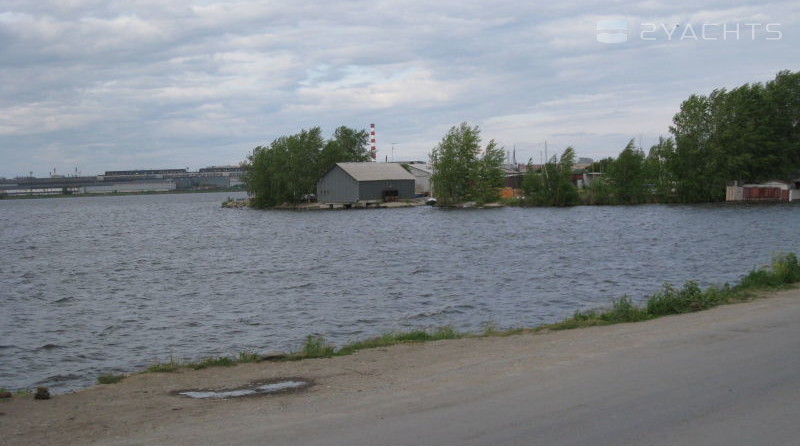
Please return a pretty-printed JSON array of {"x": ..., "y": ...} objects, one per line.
[{"x": 728, "y": 377}]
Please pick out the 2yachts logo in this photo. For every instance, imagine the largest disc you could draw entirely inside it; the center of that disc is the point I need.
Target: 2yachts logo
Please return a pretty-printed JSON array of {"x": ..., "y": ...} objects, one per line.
[
  {"x": 612, "y": 31},
  {"x": 616, "y": 31}
]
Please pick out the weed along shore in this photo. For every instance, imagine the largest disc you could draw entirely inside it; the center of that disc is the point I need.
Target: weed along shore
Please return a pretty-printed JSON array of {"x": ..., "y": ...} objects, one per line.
[{"x": 250, "y": 394}]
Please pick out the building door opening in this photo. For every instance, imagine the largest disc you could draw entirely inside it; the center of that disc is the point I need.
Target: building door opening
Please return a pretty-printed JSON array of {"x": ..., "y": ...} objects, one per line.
[{"x": 391, "y": 195}]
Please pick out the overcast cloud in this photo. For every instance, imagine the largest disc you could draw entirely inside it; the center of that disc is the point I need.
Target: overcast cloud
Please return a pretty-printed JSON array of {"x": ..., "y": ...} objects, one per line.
[{"x": 105, "y": 85}]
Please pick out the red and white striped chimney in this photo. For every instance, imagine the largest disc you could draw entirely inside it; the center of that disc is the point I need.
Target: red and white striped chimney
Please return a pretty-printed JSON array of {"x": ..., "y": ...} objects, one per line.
[{"x": 373, "y": 151}]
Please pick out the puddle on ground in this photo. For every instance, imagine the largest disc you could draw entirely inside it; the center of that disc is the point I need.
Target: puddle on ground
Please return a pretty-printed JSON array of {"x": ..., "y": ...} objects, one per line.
[{"x": 262, "y": 389}]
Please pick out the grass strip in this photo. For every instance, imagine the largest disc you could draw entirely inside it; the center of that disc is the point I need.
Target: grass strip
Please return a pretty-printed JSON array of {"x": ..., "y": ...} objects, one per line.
[
  {"x": 784, "y": 272},
  {"x": 110, "y": 378}
]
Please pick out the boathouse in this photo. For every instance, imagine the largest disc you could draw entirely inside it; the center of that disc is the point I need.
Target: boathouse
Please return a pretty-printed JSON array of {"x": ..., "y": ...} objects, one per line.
[{"x": 365, "y": 183}]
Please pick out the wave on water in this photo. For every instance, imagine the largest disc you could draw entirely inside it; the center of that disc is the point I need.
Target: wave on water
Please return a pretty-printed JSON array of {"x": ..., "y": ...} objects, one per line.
[
  {"x": 64, "y": 300},
  {"x": 192, "y": 280},
  {"x": 48, "y": 347}
]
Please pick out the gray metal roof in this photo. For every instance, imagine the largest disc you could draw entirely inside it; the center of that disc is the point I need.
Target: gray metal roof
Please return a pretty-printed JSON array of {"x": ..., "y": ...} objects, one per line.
[
  {"x": 421, "y": 167},
  {"x": 375, "y": 171}
]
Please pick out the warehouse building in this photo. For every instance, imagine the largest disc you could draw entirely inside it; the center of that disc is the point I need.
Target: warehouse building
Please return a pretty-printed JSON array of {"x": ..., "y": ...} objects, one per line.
[{"x": 365, "y": 183}]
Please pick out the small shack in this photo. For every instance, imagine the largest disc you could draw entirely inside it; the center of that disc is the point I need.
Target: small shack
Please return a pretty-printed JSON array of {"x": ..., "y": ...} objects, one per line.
[
  {"x": 770, "y": 191},
  {"x": 365, "y": 183}
]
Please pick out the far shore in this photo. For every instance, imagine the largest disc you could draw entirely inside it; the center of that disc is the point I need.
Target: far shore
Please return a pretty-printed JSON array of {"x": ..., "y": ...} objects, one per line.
[
  {"x": 120, "y": 194},
  {"x": 415, "y": 202}
]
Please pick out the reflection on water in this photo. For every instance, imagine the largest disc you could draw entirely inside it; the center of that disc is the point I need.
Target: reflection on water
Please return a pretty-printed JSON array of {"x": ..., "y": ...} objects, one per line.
[{"x": 114, "y": 284}]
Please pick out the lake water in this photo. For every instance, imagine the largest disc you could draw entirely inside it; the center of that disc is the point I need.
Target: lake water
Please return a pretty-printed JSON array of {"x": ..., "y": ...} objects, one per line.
[{"x": 114, "y": 284}]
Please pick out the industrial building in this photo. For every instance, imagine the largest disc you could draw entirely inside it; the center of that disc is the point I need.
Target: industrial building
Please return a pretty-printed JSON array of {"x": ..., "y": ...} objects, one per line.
[
  {"x": 127, "y": 181},
  {"x": 365, "y": 183}
]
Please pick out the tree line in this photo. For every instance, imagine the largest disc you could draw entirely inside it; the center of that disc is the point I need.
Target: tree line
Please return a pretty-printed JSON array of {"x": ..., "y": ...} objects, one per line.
[{"x": 749, "y": 134}]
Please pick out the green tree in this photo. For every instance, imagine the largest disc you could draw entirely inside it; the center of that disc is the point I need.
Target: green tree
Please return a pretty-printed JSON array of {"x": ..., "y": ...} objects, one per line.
[
  {"x": 783, "y": 95},
  {"x": 346, "y": 145},
  {"x": 626, "y": 175},
  {"x": 748, "y": 134},
  {"x": 552, "y": 185},
  {"x": 695, "y": 164},
  {"x": 464, "y": 172},
  {"x": 656, "y": 170},
  {"x": 490, "y": 175},
  {"x": 287, "y": 171}
]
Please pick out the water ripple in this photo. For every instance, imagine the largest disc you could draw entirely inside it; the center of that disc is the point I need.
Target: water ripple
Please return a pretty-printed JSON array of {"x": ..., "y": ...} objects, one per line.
[{"x": 142, "y": 279}]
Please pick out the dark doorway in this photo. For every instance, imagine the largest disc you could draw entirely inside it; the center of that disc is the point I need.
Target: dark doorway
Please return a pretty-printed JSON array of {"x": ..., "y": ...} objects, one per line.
[{"x": 391, "y": 195}]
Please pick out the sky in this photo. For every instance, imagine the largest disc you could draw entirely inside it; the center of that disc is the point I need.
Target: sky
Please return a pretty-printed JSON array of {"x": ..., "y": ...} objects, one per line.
[{"x": 93, "y": 85}]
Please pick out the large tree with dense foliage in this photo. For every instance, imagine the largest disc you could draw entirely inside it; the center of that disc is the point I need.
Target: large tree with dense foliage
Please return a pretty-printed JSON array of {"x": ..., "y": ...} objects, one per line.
[
  {"x": 748, "y": 134},
  {"x": 656, "y": 172},
  {"x": 286, "y": 171},
  {"x": 462, "y": 171},
  {"x": 627, "y": 176},
  {"x": 346, "y": 145},
  {"x": 552, "y": 185}
]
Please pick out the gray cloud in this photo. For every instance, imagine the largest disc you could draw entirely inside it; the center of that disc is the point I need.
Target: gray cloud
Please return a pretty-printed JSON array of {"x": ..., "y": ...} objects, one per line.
[{"x": 152, "y": 84}]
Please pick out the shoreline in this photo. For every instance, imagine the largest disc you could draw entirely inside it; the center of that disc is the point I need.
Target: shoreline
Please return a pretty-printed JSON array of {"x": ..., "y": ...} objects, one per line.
[
  {"x": 147, "y": 404},
  {"x": 783, "y": 272},
  {"x": 119, "y": 194}
]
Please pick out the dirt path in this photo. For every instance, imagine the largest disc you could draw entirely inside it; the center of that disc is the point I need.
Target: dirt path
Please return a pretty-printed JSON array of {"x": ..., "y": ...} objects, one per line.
[{"x": 401, "y": 388}]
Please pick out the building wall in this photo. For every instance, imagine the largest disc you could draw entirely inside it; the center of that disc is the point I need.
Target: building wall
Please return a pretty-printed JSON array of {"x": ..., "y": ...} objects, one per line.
[
  {"x": 337, "y": 187},
  {"x": 734, "y": 193},
  {"x": 373, "y": 190},
  {"x": 203, "y": 181},
  {"x": 756, "y": 193},
  {"x": 422, "y": 178},
  {"x": 769, "y": 192}
]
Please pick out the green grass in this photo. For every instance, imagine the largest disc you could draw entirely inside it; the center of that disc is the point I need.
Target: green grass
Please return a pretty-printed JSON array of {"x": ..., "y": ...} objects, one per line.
[
  {"x": 110, "y": 378},
  {"x": 784, "y": 272},
  {"x": 165, "y": 367},
  {"x": 394, "y": 338},
  {"x": 248, "y": 357},
  {"x": 221, "y": 361}
]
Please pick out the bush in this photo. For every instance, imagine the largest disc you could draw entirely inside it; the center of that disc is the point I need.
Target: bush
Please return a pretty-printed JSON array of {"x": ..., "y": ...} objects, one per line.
[
  {"x": 110, "y": 378},
  {"x": 316, "y": 347},
  {"x": 166, "y": 367},
  {"x": 784, "y": 271},
  {"x": 624, "y": 310},
  {"x": 213, "y": 362},
  {"x": 672, "y": 301},
  {"x": 245, "y": 357}
]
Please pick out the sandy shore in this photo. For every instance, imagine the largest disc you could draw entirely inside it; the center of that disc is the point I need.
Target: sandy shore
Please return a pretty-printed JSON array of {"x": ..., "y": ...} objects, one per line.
[{"x": 145, "y": 409}]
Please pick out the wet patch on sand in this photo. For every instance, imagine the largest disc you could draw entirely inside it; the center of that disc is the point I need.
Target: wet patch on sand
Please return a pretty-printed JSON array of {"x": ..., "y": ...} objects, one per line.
[{"x": 261, "y": 388}]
